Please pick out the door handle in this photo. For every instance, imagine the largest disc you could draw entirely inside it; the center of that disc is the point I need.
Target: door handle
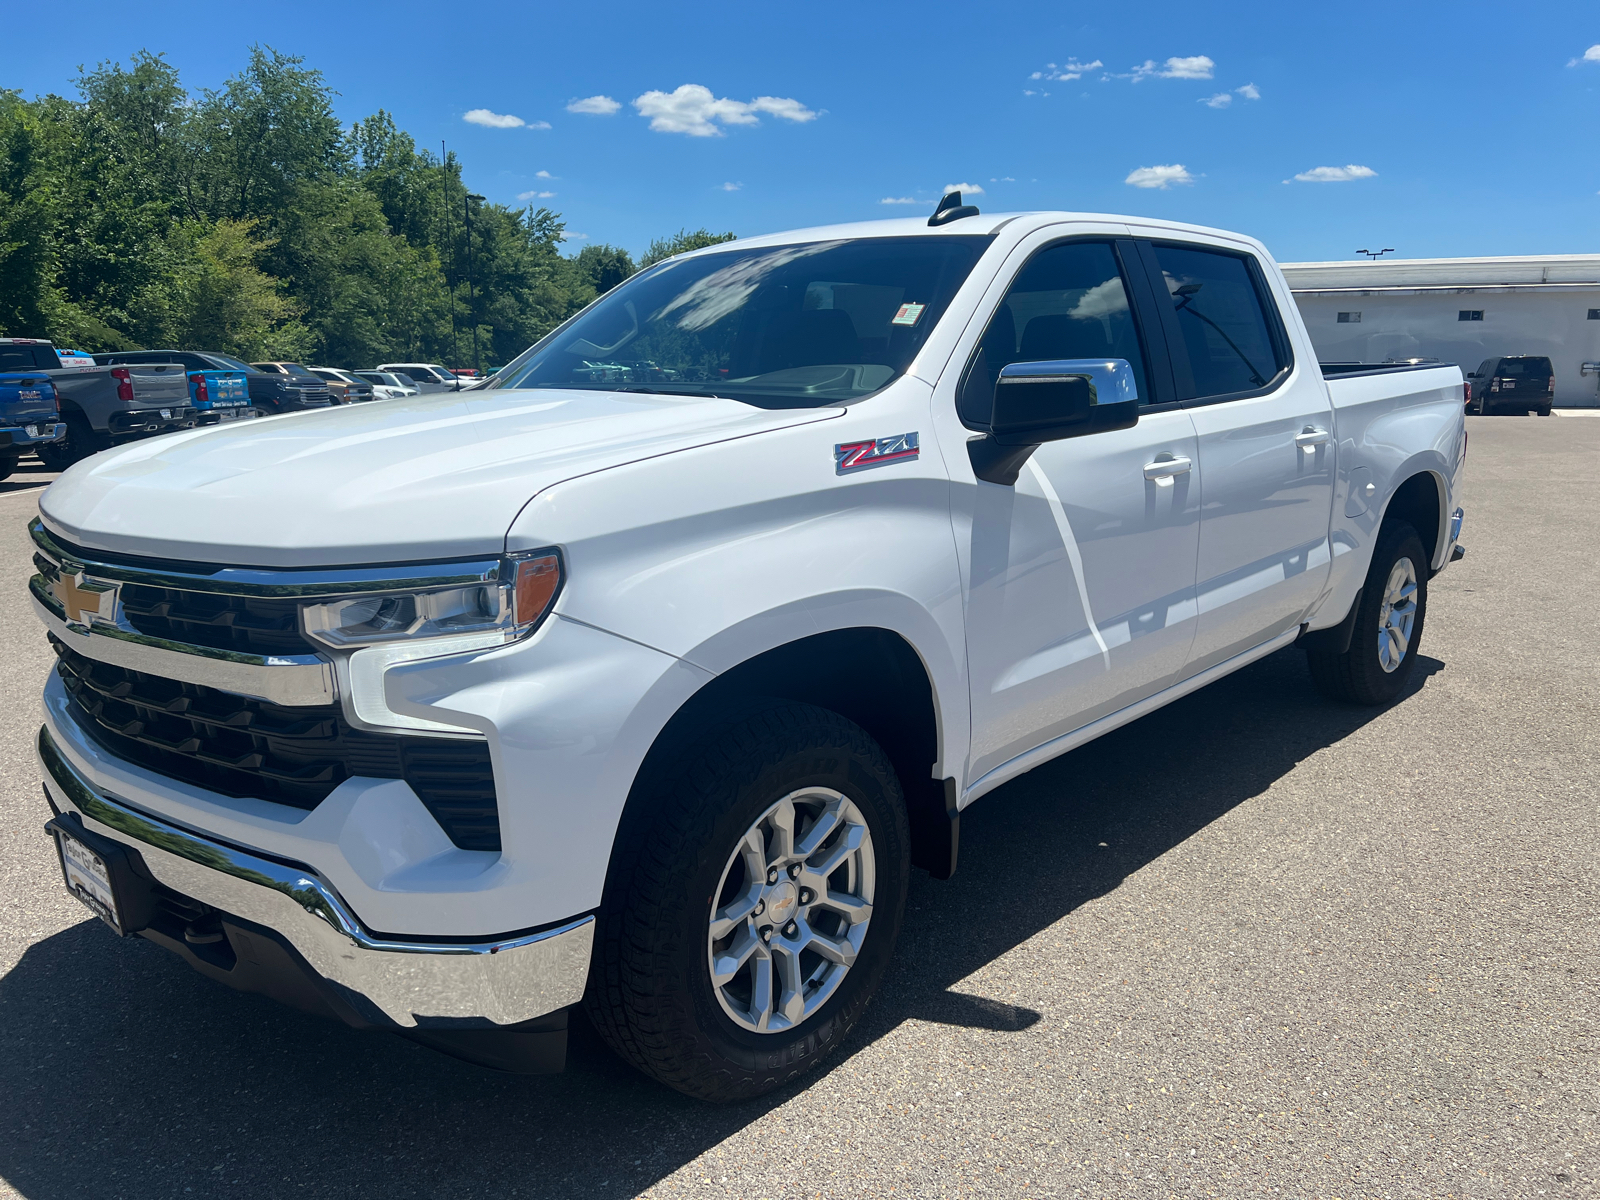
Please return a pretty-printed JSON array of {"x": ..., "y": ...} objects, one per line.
[
  {"x": 1165, "y": 469},
  {"x": 1311, "y": 437}
]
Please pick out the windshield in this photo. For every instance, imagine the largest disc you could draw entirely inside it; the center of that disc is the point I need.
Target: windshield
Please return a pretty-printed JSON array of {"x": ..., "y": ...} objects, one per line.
[
  {"x": 776, "y": 326},
  {"x": 231, "y": 364}
]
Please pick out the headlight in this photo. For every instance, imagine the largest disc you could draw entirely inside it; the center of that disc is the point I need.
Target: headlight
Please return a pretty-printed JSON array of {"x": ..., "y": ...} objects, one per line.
[
  {"x": 509, "y": 606},
  {"x": 387, "y": 629}
]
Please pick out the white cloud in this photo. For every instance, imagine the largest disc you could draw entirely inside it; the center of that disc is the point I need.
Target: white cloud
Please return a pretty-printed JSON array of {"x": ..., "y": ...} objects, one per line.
[
  {"x": 1591, "y": 55},
  {"x": 694, "y": 110},
  {"x": 534, "y": 195},
  {"x": 1159, "y": 177},
  {"x": 732, "y": 187},
  {"x": 1249, "y": 91},
  {"x": 493, "y": 120},
  {"x": 1002, "y": 179},
  {"x": 595, "y": 106},
  {"x": 543, "y": 175},
  {"x": 964, "y": 188},
  {"x": 901, "y": 200},
  {"x": 574, "y": 237},
  {"x": 1335, "y": 174},
  {"x": 1220, "y": 100},
  {"x": 1071, "y": 69},
  {"x": 1196, "y": 67}
]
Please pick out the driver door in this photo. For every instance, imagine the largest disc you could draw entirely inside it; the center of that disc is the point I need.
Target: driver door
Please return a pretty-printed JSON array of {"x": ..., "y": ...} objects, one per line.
[{"x": 1081, "y": 588}]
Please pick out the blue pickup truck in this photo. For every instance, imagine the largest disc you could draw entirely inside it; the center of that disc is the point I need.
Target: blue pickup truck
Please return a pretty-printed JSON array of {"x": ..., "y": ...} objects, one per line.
[
  {"x": 219, "y": 387},
  {"x": 29, "y": 416}
]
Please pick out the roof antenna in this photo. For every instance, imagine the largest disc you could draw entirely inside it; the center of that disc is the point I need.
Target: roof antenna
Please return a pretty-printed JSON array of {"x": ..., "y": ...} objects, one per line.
[{"x": 951, "y": 209}]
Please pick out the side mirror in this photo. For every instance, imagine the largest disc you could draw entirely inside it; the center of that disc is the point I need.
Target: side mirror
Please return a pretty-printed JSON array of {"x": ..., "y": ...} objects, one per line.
[{"x": 1041, "y": 402}]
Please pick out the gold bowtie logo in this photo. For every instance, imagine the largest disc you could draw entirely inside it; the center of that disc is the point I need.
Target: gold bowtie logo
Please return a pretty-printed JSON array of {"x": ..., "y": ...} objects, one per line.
[{"x": 78, "y": 600}]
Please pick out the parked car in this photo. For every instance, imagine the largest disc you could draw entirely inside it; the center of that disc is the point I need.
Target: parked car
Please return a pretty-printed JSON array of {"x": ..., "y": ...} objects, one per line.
[
  {"x": 650, "y": 696},
  {"x": 218, "y": 393},
  {"x": 429, "y": 377},
  {"x": 269, "y": 392},
  {"x": 101, "y": 406},
  {"x": 346, "y": 387},
  {"x": 29, "y": 416},
  {"x": 300, "y": 376},
  {"x": 390, "y": 385},
  {"x": 1517, "y": 383}
]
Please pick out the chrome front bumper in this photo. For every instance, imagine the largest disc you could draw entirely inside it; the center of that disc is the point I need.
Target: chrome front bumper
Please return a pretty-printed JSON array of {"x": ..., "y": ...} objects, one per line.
[{"x": 403, "y": 984}]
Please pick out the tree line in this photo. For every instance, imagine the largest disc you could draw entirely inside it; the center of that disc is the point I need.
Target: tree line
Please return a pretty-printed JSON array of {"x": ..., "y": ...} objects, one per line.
[{"x": 248, "y": 219}]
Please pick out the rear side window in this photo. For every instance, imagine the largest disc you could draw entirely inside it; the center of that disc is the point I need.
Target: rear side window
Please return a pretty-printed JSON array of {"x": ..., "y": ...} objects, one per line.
[
  {"x": 1068, "y": 302},
  {"x": 1224, "y": 320}
]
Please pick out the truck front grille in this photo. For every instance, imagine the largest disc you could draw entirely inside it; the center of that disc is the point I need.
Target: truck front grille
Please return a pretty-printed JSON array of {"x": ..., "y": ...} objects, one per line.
[
  {"x": 295, "y": 756},
  {"x": 251, "y": 624}
]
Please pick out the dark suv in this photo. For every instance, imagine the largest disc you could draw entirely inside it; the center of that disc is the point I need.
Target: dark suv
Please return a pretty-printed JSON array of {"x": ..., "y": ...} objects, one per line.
[{"x": 1517, "y": 384}]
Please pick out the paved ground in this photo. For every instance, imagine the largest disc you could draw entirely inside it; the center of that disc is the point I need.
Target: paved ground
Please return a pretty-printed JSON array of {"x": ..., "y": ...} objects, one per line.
[{"x": 1254, "y": 944}]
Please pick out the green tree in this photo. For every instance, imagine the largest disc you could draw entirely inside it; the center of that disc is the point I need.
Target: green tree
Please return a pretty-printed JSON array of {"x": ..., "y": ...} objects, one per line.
[{"x": 681, "y": 243}]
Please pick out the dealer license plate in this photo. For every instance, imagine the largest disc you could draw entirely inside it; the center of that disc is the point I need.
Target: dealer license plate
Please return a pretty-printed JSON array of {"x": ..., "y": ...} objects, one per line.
[
  {"x": 166, "y": 413},
  {"x": 88, "y": 878},
  {"x": 33, "y": 430}
]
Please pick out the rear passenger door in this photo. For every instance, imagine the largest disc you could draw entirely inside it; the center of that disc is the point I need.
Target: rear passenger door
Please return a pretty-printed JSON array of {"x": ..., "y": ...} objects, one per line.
[{"x": 1264, "y": 426}]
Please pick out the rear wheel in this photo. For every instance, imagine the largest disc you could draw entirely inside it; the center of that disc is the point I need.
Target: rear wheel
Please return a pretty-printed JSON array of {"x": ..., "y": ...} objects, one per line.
[
  {"x": 748, "y": 922},
  {"x": 7, "y": 466},
  {"x": 79, "y": 443},
  {"x": 1388, "y": 629}
]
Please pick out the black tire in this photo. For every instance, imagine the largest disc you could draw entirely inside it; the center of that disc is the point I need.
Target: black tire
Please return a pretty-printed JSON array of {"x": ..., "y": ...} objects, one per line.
[
  {"x": 650, "y": 987},
  {"x": 1358, "y": 675},
  {"x": 8, "y": 467},
  {"x": 1545, "y": 411},
  {"x": 79, "y": 443}
]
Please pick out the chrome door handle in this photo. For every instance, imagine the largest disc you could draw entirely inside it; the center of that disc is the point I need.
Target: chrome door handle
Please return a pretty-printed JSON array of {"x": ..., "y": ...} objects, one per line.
[
  {"x": 1165, "y": 469},
  {"x": 1310, "y": 437}
]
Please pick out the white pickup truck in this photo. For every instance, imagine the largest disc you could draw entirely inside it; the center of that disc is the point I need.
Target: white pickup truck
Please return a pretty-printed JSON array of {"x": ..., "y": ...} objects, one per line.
[{"x": 642, "y": 676}]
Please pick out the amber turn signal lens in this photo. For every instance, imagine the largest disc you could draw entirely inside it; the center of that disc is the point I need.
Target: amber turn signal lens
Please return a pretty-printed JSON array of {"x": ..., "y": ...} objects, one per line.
[{"x": 537, "y": 581}]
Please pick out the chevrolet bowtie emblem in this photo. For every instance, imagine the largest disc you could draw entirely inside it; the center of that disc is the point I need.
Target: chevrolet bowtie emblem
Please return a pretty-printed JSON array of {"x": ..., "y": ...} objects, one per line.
[{"x": 81, "y": 600}]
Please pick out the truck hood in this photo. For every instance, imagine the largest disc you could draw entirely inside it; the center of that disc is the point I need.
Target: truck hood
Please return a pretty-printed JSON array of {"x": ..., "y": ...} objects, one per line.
[{"x": 436, "y": 476}]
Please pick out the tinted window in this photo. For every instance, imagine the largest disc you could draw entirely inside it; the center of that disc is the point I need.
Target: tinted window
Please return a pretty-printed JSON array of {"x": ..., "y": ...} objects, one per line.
[
  {"x": 226, "y": 363},
  {"x": 1068, "y": 302},
  {"x": 774, "y": 326},
  {"x": 1521, "y": 368},
  {"x": 1224, "y": 323},
  {"x": 28, "y": 358}
]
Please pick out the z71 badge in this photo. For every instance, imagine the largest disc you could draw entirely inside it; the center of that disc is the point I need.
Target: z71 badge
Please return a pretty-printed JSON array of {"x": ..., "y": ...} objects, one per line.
[{"x": 880, "y": 452}]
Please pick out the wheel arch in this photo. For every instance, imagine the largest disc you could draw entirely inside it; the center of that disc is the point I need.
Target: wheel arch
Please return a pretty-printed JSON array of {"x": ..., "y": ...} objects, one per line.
[
  {"x": 1422, "y": 500},
  {"x": 869, "y": 674}
]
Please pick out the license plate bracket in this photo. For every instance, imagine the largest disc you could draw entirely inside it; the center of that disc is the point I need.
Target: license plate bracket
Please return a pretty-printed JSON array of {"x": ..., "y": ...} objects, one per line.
[{"x": 100, "y": 873}]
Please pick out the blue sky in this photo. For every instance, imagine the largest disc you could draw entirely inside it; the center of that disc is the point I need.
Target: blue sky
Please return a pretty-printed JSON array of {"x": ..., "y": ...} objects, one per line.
[{"x": 1474, "y": 123}]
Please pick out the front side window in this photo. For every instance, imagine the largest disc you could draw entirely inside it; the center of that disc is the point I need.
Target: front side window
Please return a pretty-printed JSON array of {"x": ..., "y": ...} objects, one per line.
[
  {"x": 1068, "y": 302},
  {"x": 1223, "y": 321},
  {"x": 774, "y": 326}
]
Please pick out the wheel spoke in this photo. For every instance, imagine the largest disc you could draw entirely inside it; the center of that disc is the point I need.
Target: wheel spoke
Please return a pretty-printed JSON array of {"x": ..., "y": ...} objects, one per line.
[
  {"x": 1398, "y": 636},
  {"x": 782, "y": 820},
  {"x": 731, "y": 961},
  {"x": 851, "y": 908},
  {"x": 819, "y": 832},
  {"x": 791, "y": 1001},
  {"x": 735, "y": 913},
  {"x": 761, "y": 992},
  {"x": 846, "y": 846},
  {"x": 840, "y": 952}
]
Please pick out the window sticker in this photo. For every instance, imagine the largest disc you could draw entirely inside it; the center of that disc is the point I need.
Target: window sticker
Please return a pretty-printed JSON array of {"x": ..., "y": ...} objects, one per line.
[{"x": 908, "y": 315}]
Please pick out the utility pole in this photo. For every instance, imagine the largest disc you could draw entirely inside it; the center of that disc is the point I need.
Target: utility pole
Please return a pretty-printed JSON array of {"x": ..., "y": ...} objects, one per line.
[
  {"x": 444, "y": 211},
  {"x": 472, "y": 304}
]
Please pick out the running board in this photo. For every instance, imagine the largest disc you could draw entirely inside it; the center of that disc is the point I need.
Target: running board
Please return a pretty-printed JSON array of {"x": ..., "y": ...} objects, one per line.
[{"x": 1056, "y": 747}]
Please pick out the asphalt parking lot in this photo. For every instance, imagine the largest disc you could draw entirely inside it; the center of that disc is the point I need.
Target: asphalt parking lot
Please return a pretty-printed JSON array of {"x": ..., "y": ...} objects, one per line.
[{"x": 1256, "y": 943}]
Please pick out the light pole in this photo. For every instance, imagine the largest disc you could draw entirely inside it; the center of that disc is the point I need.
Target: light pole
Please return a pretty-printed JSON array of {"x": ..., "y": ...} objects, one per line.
[{"x": 472, "y": 305}]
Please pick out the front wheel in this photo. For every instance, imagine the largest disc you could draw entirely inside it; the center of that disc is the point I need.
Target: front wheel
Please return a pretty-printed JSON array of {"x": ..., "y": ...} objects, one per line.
[
  {"x": 8, "y": 467},
  {"x": 1388, "y": 629},
  {"x": 749, "y": 920}
]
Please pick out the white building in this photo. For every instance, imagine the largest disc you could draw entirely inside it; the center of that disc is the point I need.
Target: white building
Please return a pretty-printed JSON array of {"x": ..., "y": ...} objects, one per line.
[{"x": 1460, "y": 310}]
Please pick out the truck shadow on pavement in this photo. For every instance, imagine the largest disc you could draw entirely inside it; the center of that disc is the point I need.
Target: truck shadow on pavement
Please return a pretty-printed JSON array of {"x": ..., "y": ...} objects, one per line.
[{"x": 126, "y": 1074}]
